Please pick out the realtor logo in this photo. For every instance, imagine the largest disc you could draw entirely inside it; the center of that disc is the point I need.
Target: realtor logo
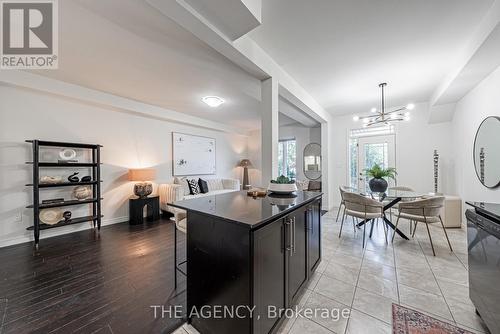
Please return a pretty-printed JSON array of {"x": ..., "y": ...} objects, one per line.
[{"x": 29, "y": 34}]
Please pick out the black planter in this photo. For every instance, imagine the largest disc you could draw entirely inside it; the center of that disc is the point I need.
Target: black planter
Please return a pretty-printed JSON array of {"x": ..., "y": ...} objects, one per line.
[{"x": 378, "y": 185}]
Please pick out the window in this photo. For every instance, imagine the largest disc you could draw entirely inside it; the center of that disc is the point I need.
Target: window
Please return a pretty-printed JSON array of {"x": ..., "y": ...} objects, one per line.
[{"x": 287, "y": 158}]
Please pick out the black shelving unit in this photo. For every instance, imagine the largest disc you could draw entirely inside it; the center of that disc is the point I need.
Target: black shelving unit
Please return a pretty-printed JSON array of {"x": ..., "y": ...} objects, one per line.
[{"x": 95, "y": 183}]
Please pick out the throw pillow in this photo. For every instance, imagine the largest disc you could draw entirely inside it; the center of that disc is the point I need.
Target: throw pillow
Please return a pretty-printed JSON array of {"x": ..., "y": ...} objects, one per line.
[
  {"x": 193, "y": 186},
  {"x": 203, "y": 186},
  {"x": 183, "y": 182}
]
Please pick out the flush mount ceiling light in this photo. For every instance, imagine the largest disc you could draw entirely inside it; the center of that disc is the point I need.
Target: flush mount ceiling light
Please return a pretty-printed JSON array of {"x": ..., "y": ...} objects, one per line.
[
  {"x": 213, "y": 101},
  {"x": 383, "y": 116}
]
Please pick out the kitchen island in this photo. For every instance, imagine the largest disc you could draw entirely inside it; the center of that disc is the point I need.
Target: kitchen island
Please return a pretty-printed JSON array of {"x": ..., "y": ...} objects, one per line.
[{"x": 248, "y": 259}]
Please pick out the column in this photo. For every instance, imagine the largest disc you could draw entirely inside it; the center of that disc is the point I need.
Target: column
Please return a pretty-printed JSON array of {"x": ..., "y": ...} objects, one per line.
[{"x": 269, "y": 130}]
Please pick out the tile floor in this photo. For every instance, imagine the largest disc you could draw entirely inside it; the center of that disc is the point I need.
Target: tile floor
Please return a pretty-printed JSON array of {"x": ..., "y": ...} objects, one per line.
[{"x": 367, "y": 281}]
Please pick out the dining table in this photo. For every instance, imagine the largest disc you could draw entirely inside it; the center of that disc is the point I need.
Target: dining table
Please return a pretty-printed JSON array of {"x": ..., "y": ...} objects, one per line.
[{"x": 390, "y": 198}]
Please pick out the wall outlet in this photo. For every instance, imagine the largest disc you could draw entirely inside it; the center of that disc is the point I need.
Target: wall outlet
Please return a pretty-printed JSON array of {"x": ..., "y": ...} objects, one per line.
[{"x": 19, "y": 216}]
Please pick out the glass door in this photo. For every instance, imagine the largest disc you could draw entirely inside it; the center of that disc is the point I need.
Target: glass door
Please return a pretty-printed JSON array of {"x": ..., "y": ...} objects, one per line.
[{"x": 374, "y": 150}]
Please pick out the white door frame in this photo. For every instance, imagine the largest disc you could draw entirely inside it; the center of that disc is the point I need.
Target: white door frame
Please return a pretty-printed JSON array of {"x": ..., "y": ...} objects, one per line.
[{"x": 390, "y": 139}]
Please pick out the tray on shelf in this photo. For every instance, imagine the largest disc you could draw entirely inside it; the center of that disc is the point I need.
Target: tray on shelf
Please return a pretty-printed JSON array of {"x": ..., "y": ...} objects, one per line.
[
  {"x": 64, "y": 223},
  {"x": 65, "y": 203},
  {"x": 62, "y": 184},
  {"x": 64, "y": 164}
]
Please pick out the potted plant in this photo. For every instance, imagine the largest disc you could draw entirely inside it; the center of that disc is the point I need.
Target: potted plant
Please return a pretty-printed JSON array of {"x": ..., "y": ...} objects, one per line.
[
  {"x": 282, "y": 185},
  {"x": 378, "y": 174}
]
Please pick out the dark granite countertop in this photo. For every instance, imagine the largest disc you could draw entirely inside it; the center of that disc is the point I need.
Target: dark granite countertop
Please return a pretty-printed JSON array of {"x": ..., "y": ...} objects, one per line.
[
  {"x": 490, "y": 209},
  {"x": 240, "y": 208}
]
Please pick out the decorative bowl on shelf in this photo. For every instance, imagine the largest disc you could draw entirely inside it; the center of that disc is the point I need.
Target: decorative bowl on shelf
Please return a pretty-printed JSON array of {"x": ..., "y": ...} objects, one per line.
[
  {"x": 82, "y": 192},
  {"x": 51, "y": 179},
  {"x": 51, "y": 216}
]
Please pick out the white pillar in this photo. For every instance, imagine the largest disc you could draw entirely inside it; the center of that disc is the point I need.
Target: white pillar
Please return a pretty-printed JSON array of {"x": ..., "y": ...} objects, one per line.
[
  {"x": 327, "y": 158},
  {"x": 270, "y": 128}
]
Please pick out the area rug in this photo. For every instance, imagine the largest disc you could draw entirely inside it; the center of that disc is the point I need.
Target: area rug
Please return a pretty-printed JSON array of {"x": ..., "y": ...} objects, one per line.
[{"x": 408, "y": 321}]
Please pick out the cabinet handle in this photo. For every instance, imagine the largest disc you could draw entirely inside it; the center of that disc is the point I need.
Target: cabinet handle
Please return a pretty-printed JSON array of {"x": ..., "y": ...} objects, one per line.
[
  {"x": 288, "y": 236},
  {"x": 311, "y": 218},
  {"x": 293, "y": 230}
]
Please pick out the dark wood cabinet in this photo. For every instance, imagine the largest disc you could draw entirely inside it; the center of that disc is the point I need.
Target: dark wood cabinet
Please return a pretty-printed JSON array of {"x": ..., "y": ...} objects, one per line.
[
  {"x": 263, "y": 262},
  {"x": 314, "y": 235},
  {"x": 297, "y": 271},
  {"x": 269, "y": 267}
]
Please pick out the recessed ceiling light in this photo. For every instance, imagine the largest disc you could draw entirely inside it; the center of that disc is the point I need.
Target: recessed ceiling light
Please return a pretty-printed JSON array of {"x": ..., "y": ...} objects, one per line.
[
  {"x": 410, "y": 106},
  {"x": 213, "y": 101},
  {"x": 373, "y": 110},
  {"x": 355, "y": 118}
]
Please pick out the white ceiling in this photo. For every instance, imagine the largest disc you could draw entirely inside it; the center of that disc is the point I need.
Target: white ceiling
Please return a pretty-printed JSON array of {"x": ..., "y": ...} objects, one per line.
[
  {"x": 340, "y": 50},
  {"x": 127, "y": 48}
]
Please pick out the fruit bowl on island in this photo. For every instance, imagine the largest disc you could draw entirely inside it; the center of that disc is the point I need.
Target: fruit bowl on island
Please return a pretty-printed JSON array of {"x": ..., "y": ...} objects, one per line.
[{"x": 282, "y": 185}]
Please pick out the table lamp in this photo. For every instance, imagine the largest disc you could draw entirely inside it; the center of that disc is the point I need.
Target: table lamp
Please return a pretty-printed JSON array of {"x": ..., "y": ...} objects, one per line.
[
  {"x": 142, "y": 189},
  {"x": 245, "y": 163}
]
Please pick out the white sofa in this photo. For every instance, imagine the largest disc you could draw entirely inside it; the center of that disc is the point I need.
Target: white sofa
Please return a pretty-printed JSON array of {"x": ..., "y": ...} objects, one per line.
[{"x": 178, "y": 191}]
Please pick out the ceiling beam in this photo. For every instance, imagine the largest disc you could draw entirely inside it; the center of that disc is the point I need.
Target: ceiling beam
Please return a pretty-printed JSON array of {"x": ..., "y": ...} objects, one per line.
[
  {"x": 291, "y": 111},
  {"x": 478, "y": 60},
  {"x": 233, "y": 18},
  {"x": 244, "y": 52}
]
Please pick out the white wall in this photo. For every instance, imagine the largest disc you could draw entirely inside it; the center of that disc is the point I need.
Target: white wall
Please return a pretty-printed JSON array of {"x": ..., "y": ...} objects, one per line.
[
  {"x": 481, "y": 102},
  {"x": 255, "y": 156},
  {"x": 415, "y": 144},
  {"x": 129, "y": 141}
]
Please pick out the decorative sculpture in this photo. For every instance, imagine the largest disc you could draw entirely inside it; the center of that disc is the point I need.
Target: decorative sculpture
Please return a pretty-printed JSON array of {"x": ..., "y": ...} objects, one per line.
[
  {"x": 482, "y": 158},
  {"x": 436, "y": 170},
  {"x": 87, "y": 178},
  {"x": 67, "y": 215},
  {"x": 74, "y": 178}
]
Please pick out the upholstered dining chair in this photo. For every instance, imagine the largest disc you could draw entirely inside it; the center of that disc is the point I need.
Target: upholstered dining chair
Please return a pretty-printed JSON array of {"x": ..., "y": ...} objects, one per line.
[
  {"x": 427, "y": 211},
  {"x": 342, "y": 190},
  {"x": 396, "y": 206},
  {"x": 341, "y": 203},
  {"x": 361, "y": 207},
  {"x": 314, "y": 186}
]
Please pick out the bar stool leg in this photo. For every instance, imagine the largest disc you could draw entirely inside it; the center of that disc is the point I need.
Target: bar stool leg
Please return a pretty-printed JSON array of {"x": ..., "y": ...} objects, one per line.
[{"x": 175, "y": 256}]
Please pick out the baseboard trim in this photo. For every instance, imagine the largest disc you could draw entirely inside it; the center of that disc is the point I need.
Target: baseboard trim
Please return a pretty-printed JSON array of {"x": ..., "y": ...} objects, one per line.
[{"x": 59, "y": 231}]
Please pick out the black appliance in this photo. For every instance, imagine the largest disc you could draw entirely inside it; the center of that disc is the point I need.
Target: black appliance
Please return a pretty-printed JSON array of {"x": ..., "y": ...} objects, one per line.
[{"x": 483, "y": 237}]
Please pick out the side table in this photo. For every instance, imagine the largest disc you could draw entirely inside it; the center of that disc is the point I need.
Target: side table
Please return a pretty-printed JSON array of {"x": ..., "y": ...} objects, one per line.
[{"x": 136, "y": 206}]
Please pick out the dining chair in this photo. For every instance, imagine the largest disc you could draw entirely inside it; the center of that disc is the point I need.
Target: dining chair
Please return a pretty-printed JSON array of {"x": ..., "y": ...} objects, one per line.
[
  {"x": 396, "y": 206},
  {"x": 361, "y": 207},
  {"x": 341, "y": 202},
  {"x": 342, "y": 190},
  {"x": 314, "y": 186},
  {"x": 427, "y": 211}
]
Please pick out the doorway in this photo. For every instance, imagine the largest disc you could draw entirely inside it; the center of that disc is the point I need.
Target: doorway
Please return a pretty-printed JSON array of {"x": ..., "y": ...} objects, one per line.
[{"x": 365, "y": 152}]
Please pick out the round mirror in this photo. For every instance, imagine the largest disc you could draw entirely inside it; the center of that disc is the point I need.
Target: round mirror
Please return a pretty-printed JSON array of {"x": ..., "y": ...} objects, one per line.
[
  {"x": 312, "y": 161},
  {"x": 487, "y": 152}
]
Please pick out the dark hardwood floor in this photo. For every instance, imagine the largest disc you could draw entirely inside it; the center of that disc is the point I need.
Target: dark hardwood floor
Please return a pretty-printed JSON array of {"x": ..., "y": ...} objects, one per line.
[{"x": 86, "y": 282}]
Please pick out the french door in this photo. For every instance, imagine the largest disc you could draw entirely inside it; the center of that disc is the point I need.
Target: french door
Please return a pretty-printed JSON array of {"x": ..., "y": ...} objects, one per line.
[{"x": 373, "y": 150}]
